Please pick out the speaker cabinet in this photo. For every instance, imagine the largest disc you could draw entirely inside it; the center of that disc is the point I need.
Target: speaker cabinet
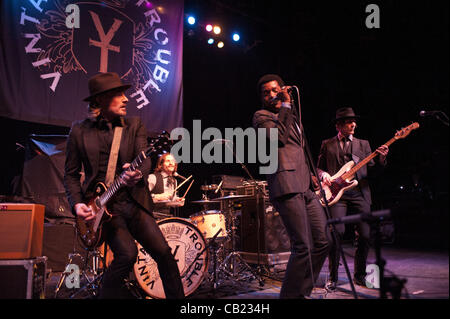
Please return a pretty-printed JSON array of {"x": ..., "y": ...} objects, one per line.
[
  {"x": 21, "y": 230},
  {"x": 273, "y": 238}
]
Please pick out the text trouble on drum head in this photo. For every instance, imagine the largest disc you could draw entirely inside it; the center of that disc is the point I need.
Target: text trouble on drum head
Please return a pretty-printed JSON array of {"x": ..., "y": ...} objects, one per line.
[{"x": 186, "y": 243}]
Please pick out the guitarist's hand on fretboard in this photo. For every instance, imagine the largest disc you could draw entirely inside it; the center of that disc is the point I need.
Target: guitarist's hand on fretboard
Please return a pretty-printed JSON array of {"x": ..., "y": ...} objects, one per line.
[
  {"x": 383, "y": 151},
  {"x": 83, "y": 211},
  {"x": 130, "y": 177}
]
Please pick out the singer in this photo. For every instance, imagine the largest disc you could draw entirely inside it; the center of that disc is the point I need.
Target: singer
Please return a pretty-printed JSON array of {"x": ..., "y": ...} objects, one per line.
[
  {"x": 162, "y": 185},
  {"x": 290, "y": 189}
]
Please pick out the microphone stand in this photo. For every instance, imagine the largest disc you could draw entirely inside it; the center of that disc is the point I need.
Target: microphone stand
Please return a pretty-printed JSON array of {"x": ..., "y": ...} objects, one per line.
[
  {"x": 392, "y": 285},
  {"x": 322, "y": 192},
  {"x": 443, "y": 119}
]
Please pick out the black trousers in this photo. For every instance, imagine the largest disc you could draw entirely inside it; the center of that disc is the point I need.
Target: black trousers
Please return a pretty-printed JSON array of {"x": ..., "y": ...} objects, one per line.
[
  {"x": 351, "y": 201},
  {"x": 121, "y": 233},
  {"x": 305, "y": 222}
]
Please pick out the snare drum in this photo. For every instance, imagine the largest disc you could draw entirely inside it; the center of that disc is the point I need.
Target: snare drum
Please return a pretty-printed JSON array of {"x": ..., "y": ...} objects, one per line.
[
  {"x": 186, "y": 242},
  {"x": 209, "y": 222}
]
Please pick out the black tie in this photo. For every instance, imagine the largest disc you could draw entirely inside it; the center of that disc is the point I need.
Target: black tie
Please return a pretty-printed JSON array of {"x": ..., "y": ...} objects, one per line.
[{"x": 347, "y": 148}]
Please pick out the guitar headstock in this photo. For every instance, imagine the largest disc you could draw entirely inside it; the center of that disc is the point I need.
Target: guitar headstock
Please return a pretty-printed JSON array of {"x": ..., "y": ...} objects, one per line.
[{"x": 404, "y": 132}]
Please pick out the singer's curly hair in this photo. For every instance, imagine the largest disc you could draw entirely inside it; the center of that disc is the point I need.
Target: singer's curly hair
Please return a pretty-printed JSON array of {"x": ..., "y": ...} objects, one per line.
[{"x": 160, "y": 163}]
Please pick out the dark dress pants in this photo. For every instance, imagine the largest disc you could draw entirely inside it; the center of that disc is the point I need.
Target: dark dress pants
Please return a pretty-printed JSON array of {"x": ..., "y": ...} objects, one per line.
[
  {"x": 351, "y": 201},
  {"x": 121, "y": 233},
  {"x": 305, "y": 222}
]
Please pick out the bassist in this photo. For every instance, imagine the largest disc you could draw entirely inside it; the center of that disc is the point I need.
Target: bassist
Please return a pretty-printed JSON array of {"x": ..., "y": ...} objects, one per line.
[
  {"x": 334, "y": 153},
  {"x": 88, "y": 147}
]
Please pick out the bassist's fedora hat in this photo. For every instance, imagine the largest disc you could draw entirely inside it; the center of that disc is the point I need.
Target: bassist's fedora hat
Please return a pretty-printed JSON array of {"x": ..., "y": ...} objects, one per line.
[
  {"x": 105, "y": 82},
  {"x": 344, "y": 113}
]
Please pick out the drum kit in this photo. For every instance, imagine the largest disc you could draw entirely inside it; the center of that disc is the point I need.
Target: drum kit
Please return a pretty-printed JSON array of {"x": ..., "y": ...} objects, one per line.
[{"x": 204, "y": 246}]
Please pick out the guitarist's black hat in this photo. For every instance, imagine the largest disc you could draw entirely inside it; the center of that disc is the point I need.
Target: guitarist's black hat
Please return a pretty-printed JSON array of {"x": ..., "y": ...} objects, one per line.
[
  {"x": 105, "y": 82},
  {"x": 344, "y": 113}
]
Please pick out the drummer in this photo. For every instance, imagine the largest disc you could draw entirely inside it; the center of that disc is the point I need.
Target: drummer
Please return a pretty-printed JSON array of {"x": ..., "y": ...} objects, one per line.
[{"x": 162, "y": 186}]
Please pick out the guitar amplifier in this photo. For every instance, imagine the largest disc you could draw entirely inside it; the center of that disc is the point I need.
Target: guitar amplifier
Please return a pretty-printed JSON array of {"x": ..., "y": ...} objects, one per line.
[
  {"x": 248, "y": 188},
  {"x": 21, "y": 230},
  {"x": 23, "y": 278},
  {"x": 229, "y": 182}
]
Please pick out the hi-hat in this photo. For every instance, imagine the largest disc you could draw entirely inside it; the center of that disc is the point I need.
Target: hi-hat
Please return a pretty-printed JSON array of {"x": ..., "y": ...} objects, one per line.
[
  {"x": 205, "y": 201},
  {"x": 232, "y": 197}
]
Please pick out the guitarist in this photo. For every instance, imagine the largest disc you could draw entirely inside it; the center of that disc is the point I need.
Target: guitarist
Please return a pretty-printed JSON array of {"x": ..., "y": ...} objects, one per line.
[
  {"x": 334, "y": 153},
  {"x": 88, "y": 147}
]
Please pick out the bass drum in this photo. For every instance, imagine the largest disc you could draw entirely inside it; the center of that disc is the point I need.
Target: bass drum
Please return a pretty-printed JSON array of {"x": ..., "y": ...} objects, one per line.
[{"x": 186, "y": 242}]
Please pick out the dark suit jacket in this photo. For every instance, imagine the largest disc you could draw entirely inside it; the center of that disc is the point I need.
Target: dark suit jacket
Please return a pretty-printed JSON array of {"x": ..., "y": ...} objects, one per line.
[
  {"x": 330, "y": 161},
  {"x": 293, "y": 173},
  {"x": 82, "y": 153}
]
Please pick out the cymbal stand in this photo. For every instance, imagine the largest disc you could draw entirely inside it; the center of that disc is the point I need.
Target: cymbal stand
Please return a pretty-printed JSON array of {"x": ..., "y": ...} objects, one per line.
[
  {"x": 234, "y": 260},
  {"x": 212, "y": 243},
  {"x": 92, "y": 284}
]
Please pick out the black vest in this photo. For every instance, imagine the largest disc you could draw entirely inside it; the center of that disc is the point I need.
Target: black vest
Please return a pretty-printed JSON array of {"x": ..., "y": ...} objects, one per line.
[{"x": 159, "y": 186}]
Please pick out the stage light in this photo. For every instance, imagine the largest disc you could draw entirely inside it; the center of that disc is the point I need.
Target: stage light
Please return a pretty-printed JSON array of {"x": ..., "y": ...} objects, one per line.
[
  {"x": 220, "y": 45},
  {"x": 191, "y": 20},
  {"x": 209, "y": 27},
  {"x": 210, "y": 41},
  {"x": 236, "y": 37},
  {"x": 217, "y": 29}
]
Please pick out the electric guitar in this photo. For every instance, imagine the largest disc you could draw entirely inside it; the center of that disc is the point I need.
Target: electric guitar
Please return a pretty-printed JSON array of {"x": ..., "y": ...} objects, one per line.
[
  {"x": 344, "y": 178},
  {"x": 90, "y": 232}
]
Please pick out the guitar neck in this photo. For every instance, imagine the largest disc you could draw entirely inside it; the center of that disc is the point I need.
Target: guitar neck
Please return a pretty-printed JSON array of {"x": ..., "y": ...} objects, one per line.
[
  {"x": 118, "y": 183},
  {"x": 358, "y": 166}
]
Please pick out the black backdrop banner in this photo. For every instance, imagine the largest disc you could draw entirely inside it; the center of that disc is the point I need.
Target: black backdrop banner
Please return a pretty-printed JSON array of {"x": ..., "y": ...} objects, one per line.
[{"x": 50, "y": 48}]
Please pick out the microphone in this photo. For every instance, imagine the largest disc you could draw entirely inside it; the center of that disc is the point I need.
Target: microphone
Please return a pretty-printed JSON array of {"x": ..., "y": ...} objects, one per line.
[
  {"x": 290, "y": 89},
  {"x": 428, "y": 113},
  {"x": 361, "y": 217},
  {"x": 178, "y": 175}
]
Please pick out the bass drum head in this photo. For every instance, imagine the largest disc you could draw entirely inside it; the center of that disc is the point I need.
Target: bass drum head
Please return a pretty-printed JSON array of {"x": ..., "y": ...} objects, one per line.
[{"x": 186, "y": 242}]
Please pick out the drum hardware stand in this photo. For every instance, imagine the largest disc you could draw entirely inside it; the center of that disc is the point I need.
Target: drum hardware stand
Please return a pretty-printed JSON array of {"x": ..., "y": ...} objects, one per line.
[
  {"x": 258, "y": 274},
  {"x": 230, "y": 259},
  {"x": 213, "y": 244},
  {"x": 93, "y": 284}
]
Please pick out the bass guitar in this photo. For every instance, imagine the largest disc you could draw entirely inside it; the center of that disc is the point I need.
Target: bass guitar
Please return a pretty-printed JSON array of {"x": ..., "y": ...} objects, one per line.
[{"x": 344, "y": 178}]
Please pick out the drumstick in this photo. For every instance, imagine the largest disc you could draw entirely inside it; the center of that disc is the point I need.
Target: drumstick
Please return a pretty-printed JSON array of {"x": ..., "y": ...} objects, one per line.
[
  {"x": 183, "y": 183},
  {"x": 188, "y": 189},
  {"x": 175, "y": 190}
]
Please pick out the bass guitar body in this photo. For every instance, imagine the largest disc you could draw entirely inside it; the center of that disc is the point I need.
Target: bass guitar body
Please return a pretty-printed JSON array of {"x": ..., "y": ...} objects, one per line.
[
  {"x": 90, "y": 232},
  {"x": 338, "y": 185}
]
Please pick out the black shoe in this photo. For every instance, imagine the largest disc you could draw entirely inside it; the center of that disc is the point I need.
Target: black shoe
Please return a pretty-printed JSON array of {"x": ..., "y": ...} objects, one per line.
[
  {"x": 359, "y": 281},
  {"x": 331, "y": 285}
]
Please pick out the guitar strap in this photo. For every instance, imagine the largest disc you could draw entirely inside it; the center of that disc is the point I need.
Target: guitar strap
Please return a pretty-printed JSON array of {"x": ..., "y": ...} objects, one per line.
[{"x": 113, "y": 155}]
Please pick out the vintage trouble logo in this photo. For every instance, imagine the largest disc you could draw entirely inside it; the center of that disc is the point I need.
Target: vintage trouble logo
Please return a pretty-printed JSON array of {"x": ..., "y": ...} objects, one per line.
[
  {"x": 188, "y": 248},
  {"x": 125, "y": 36}
]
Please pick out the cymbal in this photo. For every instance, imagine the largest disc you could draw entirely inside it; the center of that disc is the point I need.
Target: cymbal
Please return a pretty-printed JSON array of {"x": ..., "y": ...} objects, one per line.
[
  {"x": 205, "y": 201},
  {"x": 232, "y": 197}
]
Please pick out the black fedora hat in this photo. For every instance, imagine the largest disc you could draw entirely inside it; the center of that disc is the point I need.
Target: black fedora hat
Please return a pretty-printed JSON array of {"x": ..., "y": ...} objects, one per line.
[
  {"x": 104, "y": 82},
  {"x": 345, "y": 113}
]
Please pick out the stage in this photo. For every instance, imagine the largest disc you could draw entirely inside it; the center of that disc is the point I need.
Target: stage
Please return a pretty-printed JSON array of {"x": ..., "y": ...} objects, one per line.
[{"x": 426, "y": 273}]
